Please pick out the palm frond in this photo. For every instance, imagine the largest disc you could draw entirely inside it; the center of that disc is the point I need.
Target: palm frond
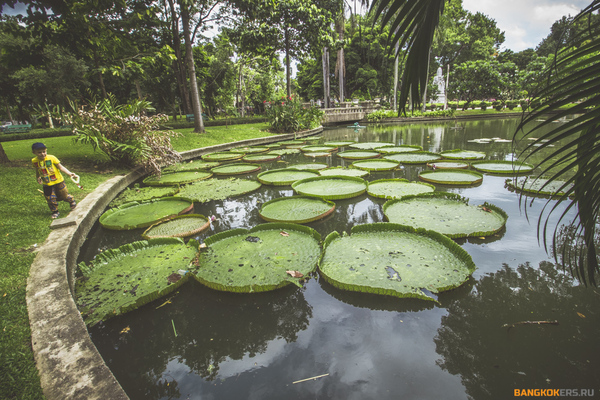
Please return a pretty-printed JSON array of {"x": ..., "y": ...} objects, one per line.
[{"x": 574, "y": 79}]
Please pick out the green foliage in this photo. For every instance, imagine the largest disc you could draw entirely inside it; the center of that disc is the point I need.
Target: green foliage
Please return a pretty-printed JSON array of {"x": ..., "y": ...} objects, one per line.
[
  {"x": 141, "y": 215},
  {"x": 288, "y": 115},
  {"x": 217, "y": 189}
]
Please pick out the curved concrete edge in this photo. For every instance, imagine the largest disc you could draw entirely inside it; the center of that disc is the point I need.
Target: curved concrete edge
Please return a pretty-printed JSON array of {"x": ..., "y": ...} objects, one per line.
[{"x": 69, "y": 364}]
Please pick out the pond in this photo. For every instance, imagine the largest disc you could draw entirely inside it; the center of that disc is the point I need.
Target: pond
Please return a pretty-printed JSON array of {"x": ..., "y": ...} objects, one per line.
[{"x": 199, "y": 343}]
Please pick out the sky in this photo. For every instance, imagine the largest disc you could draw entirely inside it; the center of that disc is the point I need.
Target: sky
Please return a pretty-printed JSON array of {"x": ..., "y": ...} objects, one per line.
[{"x": 525, "y": 22}]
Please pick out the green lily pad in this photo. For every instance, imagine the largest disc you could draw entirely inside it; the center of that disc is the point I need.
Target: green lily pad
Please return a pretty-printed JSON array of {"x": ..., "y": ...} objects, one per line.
[
  {"x": 235, "y": 169},
  {"x": 447, "y": 213},
  {"x": 397, "y": 188},
  {"x": 310, "y": 167},
  {"x": 296, "y": 209},
  {"x": 284, "y": 176},
  {"x": 339, "y": 171},
  {"x": 315, "y": 154},
  {"x": 448, "y": 165},
  {"x": 217, "y": 189},
  {"x": 282, "y": 152},
  {"x": 398, "y": 149},
  {"x": 222, "y": 156},
  {"x": 538, "y": 186},
  {"x": 124, "y": 279},
  {"x": 358, "y": 155},
  {"x": 180, "y": 226},
  {"x": 503, "y": 167},
  {"x": 291, "y": 142},
  {"x": 339, "y": 144},
  {"x": 318, "y": 149},
  {"x": 249, "y": 150},
  {"x": 463, "y": 155},
  {"x": 331, "y": 187},
  {"x": 256, "y": 260},
  {"x": 141, "y": 215},
  {"x": 414, "y": 157},
  {"x": 257, "y": 158},
  {"x": 376, "y": 165},
  {"x": 394, "y": 260},
  {"x": 370, "y": 145},
  {"x": 457, "y": 177},
  {"x": 177, "y": 178},
  {"x": 141, "y": 194},
  {"x": 194, "y": 165}
]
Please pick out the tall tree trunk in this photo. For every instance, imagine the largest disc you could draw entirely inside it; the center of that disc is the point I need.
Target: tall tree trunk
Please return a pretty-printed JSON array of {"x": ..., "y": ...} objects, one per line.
[
  {"x": 189, "y": 55},
  {"x": 138, "y": 88},
  {"x": 446, "y": 88},
  {"x": 8, "y": 113},
  {"x": 395, "y": 100},
  {"x": 178, "y": 63},
  {"x": 341, "y": 61},
  {"x": 288, "y": 70},
  {"x": 424, "y": 106},
  {"x": 326, "y": 77},
  {"x": 100, "y": 78},
  {"x": 241, "y": 91},
  {"x": 3, "y": 156}
]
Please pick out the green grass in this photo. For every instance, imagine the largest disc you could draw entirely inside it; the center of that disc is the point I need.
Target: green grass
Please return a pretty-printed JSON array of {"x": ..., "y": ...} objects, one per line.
[{"x": 217, "y": 135}]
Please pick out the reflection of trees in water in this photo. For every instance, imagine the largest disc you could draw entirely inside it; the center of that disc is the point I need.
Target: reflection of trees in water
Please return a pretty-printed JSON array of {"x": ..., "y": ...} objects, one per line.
[
  {"x": 493, "y": 361},
  {"x": 570, "y": 245},
  {"x": 224, "y": 326}
]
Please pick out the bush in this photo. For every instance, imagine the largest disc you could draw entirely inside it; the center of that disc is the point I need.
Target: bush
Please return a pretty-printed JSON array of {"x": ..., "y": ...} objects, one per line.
[
  {"x": 378, "y": 115},
  {"x": 524, "y": 104},
  {"x": 498, "y": 105},
  {"x": 511, "y": 104},
  {"x": 287, "y": 115},
  {"x": 483, "y": 105}
]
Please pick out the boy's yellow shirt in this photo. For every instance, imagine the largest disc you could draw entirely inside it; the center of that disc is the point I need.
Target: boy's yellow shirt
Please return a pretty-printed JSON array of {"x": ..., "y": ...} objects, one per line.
[{"x": 48, "y": 169}]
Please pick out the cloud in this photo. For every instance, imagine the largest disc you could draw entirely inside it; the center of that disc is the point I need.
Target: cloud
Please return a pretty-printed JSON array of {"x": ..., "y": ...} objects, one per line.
[{"x": 525, "y": 22}]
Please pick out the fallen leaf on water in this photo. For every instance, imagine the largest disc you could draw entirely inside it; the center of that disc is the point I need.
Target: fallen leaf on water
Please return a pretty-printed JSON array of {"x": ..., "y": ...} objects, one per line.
[
  {"x": 283, "y": 233},
  {"x": 295, "y": 274},
  {"x": 174, "y": 277},
  {"x": 126, "y": 330},
  {"x": 486, "y": 209},
  {"x": 581, "y": 315}
]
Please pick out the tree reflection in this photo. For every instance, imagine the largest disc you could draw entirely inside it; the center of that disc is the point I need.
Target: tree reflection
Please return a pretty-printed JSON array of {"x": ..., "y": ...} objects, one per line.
[{"x": 493, "y": 360}]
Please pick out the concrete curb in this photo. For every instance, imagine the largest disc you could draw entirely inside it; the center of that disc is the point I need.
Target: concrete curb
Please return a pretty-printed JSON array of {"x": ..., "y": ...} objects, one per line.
[{"x": 69, "y": 364}]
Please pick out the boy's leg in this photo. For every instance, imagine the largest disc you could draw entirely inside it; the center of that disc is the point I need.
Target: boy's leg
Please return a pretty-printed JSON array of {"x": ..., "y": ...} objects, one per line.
[
  {"x": 62, "y": 193},
  {"x": 51, "y": 199}
]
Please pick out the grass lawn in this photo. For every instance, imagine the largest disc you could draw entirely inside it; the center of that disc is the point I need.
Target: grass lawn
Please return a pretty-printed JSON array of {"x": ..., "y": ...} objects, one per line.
[{"x": 25, "y": 225}]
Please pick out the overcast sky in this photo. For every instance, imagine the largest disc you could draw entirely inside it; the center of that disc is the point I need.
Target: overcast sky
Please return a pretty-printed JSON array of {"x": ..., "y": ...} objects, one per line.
[{"x": 525, "y": 22}]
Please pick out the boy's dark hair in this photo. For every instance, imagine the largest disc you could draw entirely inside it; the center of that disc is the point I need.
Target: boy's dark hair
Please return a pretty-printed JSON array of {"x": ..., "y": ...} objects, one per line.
[{"x": 37, "y": 146}]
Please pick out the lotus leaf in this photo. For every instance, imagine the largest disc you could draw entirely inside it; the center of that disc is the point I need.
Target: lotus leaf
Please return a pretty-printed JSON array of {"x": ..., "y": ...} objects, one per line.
[
  {"x": 260, "y": 158},
  {"x": 331, "y": 187},
  {"x": 539, "y": 186},
  {"x": 452, "y": 177},
  {"x": 463, "y": 155},
  {"x": 310, "y": 167},
  {"x": 141, "y": 194},
  {"x": 503, "y": 167},
  {"x": 318, "y": 149},
  {"x": 398, "y": 149},
  {"x": 123, "y": 279},
  {"x": 448, "y": 165},
  {"x": 358, "y": 155},
  {"x": 296, "y": 209},
  {"x": 180, "y": 226},
  {"x": 447, "y": 213},
  {"x": 217, "y": 189},
  {"x": 315, "y": 154},
  {"x": 370, "y": 145},
  {"x": 141, "y": 215},
  {"x": 222, "y": 156},
  {"x": 282, "y": 152},
  {"x": 235, "y": 169},
  {"x": 414, "y": 157},
  {"x": 339, "y": 144},
  {"x": 194, "y": 165},
  {"x": 285, "y": 176},
  {"x": 394, "y": 260},
  {"x": 256, "y": 260},
  {"x": 177, "y": 178},
  {"x": 397, "y": 188},
  {"x": 249, "y": 150},
  {"x": 339, "y": 171},
  {"x": 376, "y": 165}
]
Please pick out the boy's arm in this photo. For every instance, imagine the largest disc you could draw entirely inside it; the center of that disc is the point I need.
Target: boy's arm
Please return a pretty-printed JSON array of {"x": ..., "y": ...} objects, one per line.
[
  {"x": 37, "y": 175},
  {"x": 65, "y": 170}
]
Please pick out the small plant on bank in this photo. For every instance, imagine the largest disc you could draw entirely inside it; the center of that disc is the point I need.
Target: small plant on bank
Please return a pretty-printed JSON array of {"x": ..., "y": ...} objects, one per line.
[{"x": 288, "y": 115}]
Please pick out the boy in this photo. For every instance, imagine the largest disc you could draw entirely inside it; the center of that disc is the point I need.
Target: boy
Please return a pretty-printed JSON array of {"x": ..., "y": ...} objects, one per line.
[{"x": 47, "y": 172}]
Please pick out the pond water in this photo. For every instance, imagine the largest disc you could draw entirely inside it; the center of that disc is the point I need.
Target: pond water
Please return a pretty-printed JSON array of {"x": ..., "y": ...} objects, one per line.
[{"x": 205, "y": 344}]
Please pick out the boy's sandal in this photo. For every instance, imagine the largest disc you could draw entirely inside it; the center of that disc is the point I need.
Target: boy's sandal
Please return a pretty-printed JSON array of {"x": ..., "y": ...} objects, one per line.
[
  {"x": 73, "y": 205},
  {"x": 55, "y": 215}
]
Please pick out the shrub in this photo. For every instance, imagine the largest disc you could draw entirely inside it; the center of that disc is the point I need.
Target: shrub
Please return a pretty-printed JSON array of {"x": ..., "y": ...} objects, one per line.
[
  {"x": 287, "y": 115},
  {"x": 498, "y": 105},
  {"x": 483, "y": 105},
  {"x": 524, "y": 104},
  {"x": 511, "y": 104}
]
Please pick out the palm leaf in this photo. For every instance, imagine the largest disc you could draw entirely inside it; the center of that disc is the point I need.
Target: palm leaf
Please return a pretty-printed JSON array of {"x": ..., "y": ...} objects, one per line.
[{"x": 573, "y": 79}]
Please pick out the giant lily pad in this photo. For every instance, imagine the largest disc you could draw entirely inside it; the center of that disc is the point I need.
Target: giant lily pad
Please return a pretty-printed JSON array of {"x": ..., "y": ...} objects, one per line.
[
  {"x": 503, "y": 167},
  {"x": 448, "y": 165},
  {"x": 123, "y": 279},
  {"x": 282, "y": 152},
  {"x": 257, "y": 158},
  {"x": 310, "y": 167},
  {"x": 284, "y": 177},
  {"x": 177, "y": 178},
  {"x": 235, "y": 169},
  {"x": 370, "y": 145},
  {"x": 539, "y": 186},
  {"x": 358, "y": 155},
  {"x": 331, "y": 187},
  {"x": 397, "y": 188},
  {"x": 394, "y": 260},
  {"x": 339, "y": 144},
  {"x": 414, "y": 157},
  {"x": 463, "y": 155},
  {"x": 398, "y": 149},
  {"x": 258, "y": 259},
  {"x": 376, "y": 165},
  {"x": 180, "y": 226},
  {"x": 249, "y": 150},
  {"x": 296, "y": 209},
  {"x": 141, "y": 215},
  {"x": 339, "y": 171},
  {"x": 457, "y": 177},
  {"x": 318, "y": 149},
  {"x": 447, "y": 213},
  {"x": 222, "y": 156},
  {"x": 294, "y": 142},
  {"x": 217, "y": 189},
  {"x": 141, "y": 194},
  {"x": 194, "y": 165}
]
